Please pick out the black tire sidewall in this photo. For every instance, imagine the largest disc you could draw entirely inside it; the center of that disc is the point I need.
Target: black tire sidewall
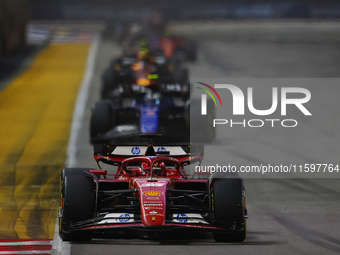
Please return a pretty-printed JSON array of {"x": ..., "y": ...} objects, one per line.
[
  {"x": 102, "y": 118},
  {"x": 227, "y": 205},
  {"x": 77, "y": 191}
]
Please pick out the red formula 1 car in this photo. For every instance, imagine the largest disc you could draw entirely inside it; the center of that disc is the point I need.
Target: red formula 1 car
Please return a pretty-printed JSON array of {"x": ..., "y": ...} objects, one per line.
[{"x": 150, "y": 192}]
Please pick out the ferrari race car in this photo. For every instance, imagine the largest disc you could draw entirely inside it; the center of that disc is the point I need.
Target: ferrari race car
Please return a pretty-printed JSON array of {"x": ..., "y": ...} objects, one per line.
[{"x": 150, "y": 192}]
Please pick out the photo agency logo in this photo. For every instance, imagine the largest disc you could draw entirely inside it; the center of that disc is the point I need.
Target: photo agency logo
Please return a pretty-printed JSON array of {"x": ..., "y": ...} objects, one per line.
[{"x": 238, "y": 105}]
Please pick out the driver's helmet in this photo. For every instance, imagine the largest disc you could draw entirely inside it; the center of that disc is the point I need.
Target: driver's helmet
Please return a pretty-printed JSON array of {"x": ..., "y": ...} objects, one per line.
[
  {"x": 152, "y": 99},
  {"x": 159, "y": 169},
  {"x": 148, "y": 99}
]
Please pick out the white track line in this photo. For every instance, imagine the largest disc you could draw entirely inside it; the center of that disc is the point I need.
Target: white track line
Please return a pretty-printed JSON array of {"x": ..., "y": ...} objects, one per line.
[
  {"x": 79, "y": 110},
  {"x": 58, "y": 246}
]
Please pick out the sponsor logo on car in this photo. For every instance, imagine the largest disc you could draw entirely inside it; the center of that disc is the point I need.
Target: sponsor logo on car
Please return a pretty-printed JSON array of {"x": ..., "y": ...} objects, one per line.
[
  {"x": 152, "y": 193},
  {"x": 161, "y": 149},
  {"x": 153, "y": 198},
  {"x": 182, "y": 217},
  {"x": 154, "y": 208},
  {"x": 135, "y": 151},
  {"x": 150, "y": 112},
  {"x": 125, "y": 217},
  {"x": 153, "y": 204},
  {"x": 112, "y": 218},
  {"x": 189, "y": 218}
]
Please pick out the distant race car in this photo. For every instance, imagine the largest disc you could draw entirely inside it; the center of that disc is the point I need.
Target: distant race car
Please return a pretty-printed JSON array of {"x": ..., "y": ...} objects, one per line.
[
  {"x": 150, "y": 192},
  {"x": 118, "y": 122},
  {"x": 126, "y": 75},
  {"x": 142, "y": 94},
  {"x": 159, "y": 35},
  {"x": 173, "y": 45},
  {"x": 146, "y": 92}
]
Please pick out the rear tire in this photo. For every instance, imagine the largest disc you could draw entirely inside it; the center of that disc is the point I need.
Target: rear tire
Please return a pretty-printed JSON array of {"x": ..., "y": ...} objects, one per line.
[
  {"x": 227, "y": 201},
  {"x": 102, "y": 118},
  {"x": 109, "y": 80},
  {"x": 76, "y": 201}
]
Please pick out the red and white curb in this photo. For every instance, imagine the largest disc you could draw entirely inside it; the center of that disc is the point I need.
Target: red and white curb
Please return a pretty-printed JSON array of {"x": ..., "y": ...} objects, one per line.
[{"x": 25, "y": 246}]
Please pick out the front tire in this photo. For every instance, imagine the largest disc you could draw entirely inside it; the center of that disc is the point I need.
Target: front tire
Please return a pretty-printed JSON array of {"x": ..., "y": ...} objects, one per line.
[
  {"x": 76, "y": 203},
  {"x": 228, "y": 206}
]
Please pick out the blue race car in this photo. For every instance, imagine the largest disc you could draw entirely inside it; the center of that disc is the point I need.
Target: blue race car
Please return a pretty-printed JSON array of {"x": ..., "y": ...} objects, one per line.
[{"x": 120, "y": 120}]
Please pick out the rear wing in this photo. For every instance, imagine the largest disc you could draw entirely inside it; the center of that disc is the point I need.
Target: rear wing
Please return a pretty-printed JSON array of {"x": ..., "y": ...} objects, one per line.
[{"x": 113, "y": 154}]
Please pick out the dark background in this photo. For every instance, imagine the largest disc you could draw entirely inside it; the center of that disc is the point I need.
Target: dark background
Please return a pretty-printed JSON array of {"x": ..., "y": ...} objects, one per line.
[{"x": 115, "y": 10}]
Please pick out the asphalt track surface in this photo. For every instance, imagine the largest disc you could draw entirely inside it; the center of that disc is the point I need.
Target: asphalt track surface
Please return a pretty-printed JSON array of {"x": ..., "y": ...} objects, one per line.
[{"x": 286, "y": 216}]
